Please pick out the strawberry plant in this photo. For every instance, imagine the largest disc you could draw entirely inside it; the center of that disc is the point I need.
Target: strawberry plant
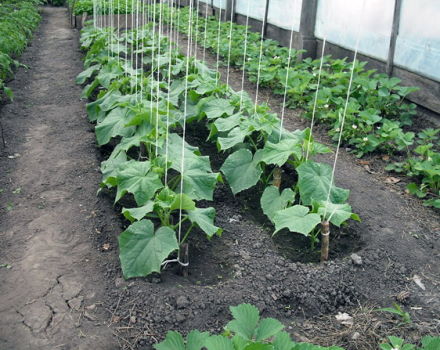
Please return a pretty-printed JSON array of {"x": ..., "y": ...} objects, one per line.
[
  {"x": 395, "y": 343},
  {"x": 246, "y": 331},
  {"x": 376, "y": 98}
]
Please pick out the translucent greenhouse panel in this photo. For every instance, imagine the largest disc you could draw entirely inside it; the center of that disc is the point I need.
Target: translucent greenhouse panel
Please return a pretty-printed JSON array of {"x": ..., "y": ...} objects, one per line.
[
  {"x": 339, "y": 21},
  {"x": 256, "y": 8},
  {"x": 285, "y": 14},
  {"x": 418, "y": 42},
  {"x": 217, "y": 3},
  {"x": 220, "y": 4}
]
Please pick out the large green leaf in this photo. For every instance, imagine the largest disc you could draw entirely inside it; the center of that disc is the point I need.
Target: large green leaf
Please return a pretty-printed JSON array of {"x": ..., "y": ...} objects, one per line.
[
  {"x": 431, "y": 343},
  {"x": 113, "y": 125},
  {"x": 137, "y": 214},
  {"x": 234, "y": 137},
  {"x": 242, "y": 170},
  {"x": 337, "y": 213},
  {"x": 108, "y": 73},
  {"x": 218, "y": 342},
  {"x": 296, "y": 219},
  {"x": 314, "y": 184},
  {"x": 245, "y": 322},
  {"x": 199, "y": 185},
  {"x": 110, "y": 168},
  {"x": 137, "y": 179},
  {"x": 216, "y": 108},
  {"x": 272, "y": 201},
  {"x": 182, "y": 201},
  {"x": 258, "y": 346},
  {"x": 268, "y": 328},
  {"x": 173, "y": 341},
  {"x": 142, "y": 251},
  {"x": 283, "y": 341},
  {"x": 196, "y": 340},
  {"x": 83, "y": 76},
  {"x": 226, "y": 124},
  {"x": 204, "y": 218},
  {"x": 192, "y": 155},
  {"x": 308, "y": 346},
  {"x": 279, "y": 153},
  {"x": 198, "y": 179}
]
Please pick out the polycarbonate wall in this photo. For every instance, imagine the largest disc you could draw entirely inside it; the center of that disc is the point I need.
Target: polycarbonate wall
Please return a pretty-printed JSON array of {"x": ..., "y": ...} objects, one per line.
[
  {"x": 285, "y": 14},
  {"x": 342, "y": 22},
  {"x": 254, "y": 8},
  {"x": 418, "y": 42},
  {"x": 217, "y": 3}
]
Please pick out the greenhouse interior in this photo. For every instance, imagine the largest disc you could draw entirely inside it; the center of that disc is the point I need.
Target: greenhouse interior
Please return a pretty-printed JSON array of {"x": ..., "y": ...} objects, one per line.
[{"x": 220, "y": 174}]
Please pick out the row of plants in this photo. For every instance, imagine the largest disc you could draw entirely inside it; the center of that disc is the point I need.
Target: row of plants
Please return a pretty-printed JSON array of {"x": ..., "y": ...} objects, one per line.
[
  {"x": 377, "y": 114},
  {"x": 18, "y": 19},
  {"x": 146, "y": 111},
  {"x": 103, "y": 7},
  {"x": 248, "y": 331}
]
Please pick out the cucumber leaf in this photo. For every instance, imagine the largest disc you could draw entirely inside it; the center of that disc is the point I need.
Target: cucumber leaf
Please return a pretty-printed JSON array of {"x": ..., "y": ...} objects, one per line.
[{"x": 142, "y": 250}]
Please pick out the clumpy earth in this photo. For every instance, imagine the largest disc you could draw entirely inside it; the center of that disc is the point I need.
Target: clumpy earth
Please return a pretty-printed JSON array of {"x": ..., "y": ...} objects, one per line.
[{"x": 61, "y": 283}]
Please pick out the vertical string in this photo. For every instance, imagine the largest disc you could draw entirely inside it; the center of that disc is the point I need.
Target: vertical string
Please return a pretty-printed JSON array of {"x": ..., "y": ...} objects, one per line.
[
  {"x": 153, "y": 49},
  {"x": 345, "y": 107},
  {"x": 137, "y": 49},
  {"x": 118, "y": 30},
  {"x": 259, "y": 64},
  {"x": 126, "y": 36},
  {"x": 170, "y": 48},
  {"x": 315, "y": 102},
  {"x": 283, "y": 112},
  {"x": 196, "y": 29},
  {"x": 205, "y": 37},
  {"x": 178, "y": 24},
  {"x": 218, "y": 40},
  {"x": 182, "y": 164},
  {"x": 158, "y": 75},
  {"x": 245, "y": 53},
  {"x": 142, "y": 49},
  {"x": 230, "y": 44}
]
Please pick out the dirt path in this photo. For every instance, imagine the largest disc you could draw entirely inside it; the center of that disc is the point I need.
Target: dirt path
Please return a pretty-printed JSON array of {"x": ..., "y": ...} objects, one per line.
[{"x": 50, "y": 295}]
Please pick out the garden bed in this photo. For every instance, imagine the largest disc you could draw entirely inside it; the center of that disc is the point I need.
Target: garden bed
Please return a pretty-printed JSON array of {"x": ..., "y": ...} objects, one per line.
[{"x": 280, "y": 276}]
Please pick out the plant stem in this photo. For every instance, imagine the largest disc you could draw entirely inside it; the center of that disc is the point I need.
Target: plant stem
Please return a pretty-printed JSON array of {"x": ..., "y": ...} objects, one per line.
[
  {"x": 187, "y": 234},
  {"x": 325, "y": 240}
]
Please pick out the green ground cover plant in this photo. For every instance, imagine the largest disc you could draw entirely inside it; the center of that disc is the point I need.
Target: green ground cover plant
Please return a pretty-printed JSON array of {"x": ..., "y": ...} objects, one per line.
[
  {"x": 103, "y": 7},
  {"x": 248, "y": 331},
  {"x": 18, "y": 19}
]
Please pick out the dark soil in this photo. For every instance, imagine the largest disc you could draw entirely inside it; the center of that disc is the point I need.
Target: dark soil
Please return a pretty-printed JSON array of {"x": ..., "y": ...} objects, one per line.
[{"x": 61, "y": 240}]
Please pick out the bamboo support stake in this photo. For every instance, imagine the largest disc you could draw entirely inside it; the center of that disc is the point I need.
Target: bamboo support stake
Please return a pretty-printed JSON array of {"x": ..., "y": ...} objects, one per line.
[{"x": 325, "y": 240}]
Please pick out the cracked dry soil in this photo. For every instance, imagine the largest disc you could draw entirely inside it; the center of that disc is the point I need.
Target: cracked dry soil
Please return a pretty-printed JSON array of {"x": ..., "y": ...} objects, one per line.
[{"x": 50, "y": 296}]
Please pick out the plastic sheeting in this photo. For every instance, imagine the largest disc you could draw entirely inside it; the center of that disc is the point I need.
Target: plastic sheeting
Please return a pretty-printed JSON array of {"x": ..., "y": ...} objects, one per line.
[
  {"x": 217, "y": 3},
  {"x": 256, "y": 8},
  {"x": 418, "y": 42},
  {"x": 340, "y": 21},
  {"x": 285, "y": 13}
]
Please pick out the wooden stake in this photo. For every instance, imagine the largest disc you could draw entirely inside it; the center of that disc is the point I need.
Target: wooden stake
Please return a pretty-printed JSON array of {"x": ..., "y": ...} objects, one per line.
[
  {"x": 277, "y": 177},
  {"x": 185, "y": 259},
  {"x": 325, "y": 240}
]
